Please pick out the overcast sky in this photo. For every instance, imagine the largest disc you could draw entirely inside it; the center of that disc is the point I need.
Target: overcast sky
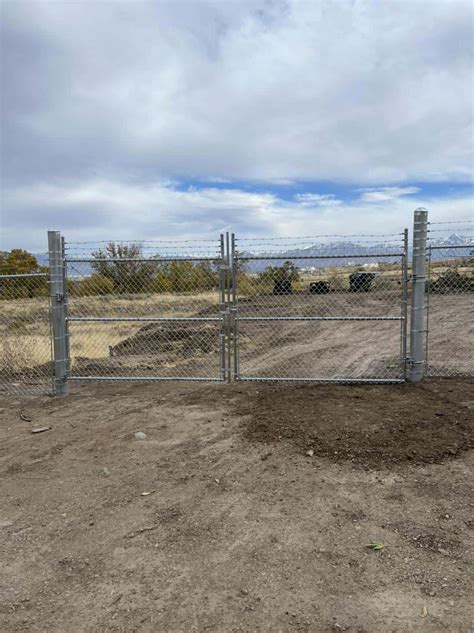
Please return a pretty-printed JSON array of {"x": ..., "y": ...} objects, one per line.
[{"x": 173, "y": 119}]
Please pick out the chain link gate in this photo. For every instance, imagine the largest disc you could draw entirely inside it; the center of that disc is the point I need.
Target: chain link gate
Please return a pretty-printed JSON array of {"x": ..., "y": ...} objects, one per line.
[
  {"x": 320, "y": 316},
  {"x": 148, "y": 311},
  {"x": 223, "y": 311},
  {"x": 227, "y": 309}
]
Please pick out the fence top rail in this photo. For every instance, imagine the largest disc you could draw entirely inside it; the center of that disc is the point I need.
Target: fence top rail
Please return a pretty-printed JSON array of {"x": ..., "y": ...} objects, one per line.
[
  {"x": 149, "y": 260},
  {"x": 464, "y": 229},
  {"x": 272, "y": 249},
  {"x": 450, "y": 246},
  {"x": 341, "y": 256},
  {"x": 314, "y": 237},
  {"x": 166, "y": 250},
  {"x": 138, "y": 241},
  {"x": 24, "y": 275}
]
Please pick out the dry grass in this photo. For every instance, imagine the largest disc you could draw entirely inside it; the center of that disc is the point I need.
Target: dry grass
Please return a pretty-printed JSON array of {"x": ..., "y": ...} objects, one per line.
[
  {"x": 25, "y": 331},
  {"x": 93, "y": 339},
  {"x": 166, "y": 304}
]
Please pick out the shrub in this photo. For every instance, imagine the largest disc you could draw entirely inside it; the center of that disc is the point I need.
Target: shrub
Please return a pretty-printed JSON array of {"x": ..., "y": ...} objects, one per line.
[
  {"x": 452, "y": 281},
  {"x": 96, "y": 284}
]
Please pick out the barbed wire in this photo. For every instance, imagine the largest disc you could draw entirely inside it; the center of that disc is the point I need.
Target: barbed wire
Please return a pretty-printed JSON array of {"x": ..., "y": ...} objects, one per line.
[
  {"x": 446, "y": 230},
  {"x": 138, "y": 241},
  {"x": 313, "y": 237},
  {"x": 454, "y": 222},
  {"x": 153, "y": 249},
  {"x": 323, "y": 244}
]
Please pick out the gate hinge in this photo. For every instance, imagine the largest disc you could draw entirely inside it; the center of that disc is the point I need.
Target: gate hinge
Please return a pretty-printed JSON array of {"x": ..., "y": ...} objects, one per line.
[
  {"x": 412, "y": 362},
  {"x": 60, "y": 297}
]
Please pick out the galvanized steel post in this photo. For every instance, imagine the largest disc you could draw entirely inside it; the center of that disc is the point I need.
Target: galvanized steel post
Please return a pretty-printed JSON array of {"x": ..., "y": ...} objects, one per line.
[
  {"x": 228, "y": 311},
  {"x": 222, "y": 308},
  {"x": 58, "y": 312},
  {"x": 404, "y": 307},
  {"x": 417, "y": 326},
  {"x": 65, "y": 292},
  {"x": 235, "y": 307}
]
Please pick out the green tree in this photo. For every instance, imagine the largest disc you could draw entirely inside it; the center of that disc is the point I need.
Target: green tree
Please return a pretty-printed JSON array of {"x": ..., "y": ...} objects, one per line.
[
  {"x": 18, "y": 262},
  {"x": 21, "y": 262},
  {"x": 204, "y": 277},
  {"x": 176, "y": 276},
  {"x": 127, "y": 276},
  {"x": 287, "y": 271}
]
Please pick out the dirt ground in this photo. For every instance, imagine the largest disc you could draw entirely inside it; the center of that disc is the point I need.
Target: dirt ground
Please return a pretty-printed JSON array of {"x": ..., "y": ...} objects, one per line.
[{"x": 248, "y": 507}]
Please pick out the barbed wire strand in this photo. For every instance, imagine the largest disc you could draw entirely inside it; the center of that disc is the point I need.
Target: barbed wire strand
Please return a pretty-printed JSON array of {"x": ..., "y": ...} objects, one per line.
[
  {"x": 454, "y": 222},
  {"x": 312, "y": 237}
]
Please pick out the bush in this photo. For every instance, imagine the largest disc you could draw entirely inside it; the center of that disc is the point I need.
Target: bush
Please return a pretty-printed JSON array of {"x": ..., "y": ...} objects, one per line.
[
  {"x": 452, "y": 281},
  {"x": 96, "y": 284},
  {"x": 287, "y": 272}
]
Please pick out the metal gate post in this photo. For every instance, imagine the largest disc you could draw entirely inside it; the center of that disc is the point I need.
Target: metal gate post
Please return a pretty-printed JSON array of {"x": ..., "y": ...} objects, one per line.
[
  {"x": 427, "y": 308},
  {"x": 65, "y": 293},
  {"x": 235, "y": 308},
  {"x": 222, "y": 308},
  {"x": 404, "y": 332},
  {"x": 228, "y": 306},
  {"x": 417, "y": 327},
  {"x": 58, "y": 312}
]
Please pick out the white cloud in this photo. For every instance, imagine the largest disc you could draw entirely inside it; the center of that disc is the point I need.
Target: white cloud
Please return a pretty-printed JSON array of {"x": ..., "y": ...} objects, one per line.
[
  {"x": 384, "y": 194},
  {"x": 365, "y": 91},
  {"x": 161, "y": 211},
  {"x": 108, "y": 108},
  {"x": 315, "y": 199}
]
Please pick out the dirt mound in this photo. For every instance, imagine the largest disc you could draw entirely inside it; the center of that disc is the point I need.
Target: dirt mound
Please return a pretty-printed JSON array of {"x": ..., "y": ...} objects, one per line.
[
  {"x": 376, "y": 426},
  {"x": 169, "y": 337}
]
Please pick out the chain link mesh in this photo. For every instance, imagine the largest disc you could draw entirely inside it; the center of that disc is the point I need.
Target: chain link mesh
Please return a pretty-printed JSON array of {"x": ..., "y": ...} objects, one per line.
[
  {"x": 450, "y": 307},
  {"x": 145, "y": 310},
  {"x": 310, "y": 308},
  {"x": 321, "y": 311},
  {"x": 25, "y": 336}
]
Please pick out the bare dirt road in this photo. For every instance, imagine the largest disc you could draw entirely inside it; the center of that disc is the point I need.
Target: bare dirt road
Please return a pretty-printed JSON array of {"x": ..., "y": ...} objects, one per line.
[{"x": 246, "y": 508}]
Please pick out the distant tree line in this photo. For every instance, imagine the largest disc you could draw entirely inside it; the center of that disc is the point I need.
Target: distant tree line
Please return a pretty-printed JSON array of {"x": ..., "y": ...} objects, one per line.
[
  {"x": 121, "y": 269},
  {"x": 21, "y": 262}
]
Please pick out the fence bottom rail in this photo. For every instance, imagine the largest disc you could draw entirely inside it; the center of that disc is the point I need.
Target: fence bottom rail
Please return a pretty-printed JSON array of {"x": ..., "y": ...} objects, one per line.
[
  {"x": 321, "y": 380},
  {"x": 145, "y": 378}
]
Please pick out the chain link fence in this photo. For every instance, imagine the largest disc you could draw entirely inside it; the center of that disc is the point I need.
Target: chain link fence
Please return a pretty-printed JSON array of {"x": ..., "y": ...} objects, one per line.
[
  {"x": 330, "y": 309},
  {"x": 450, "y": 300},
  {"x": 145, "y": 310},
  {"x": 25, "y": 334}
]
